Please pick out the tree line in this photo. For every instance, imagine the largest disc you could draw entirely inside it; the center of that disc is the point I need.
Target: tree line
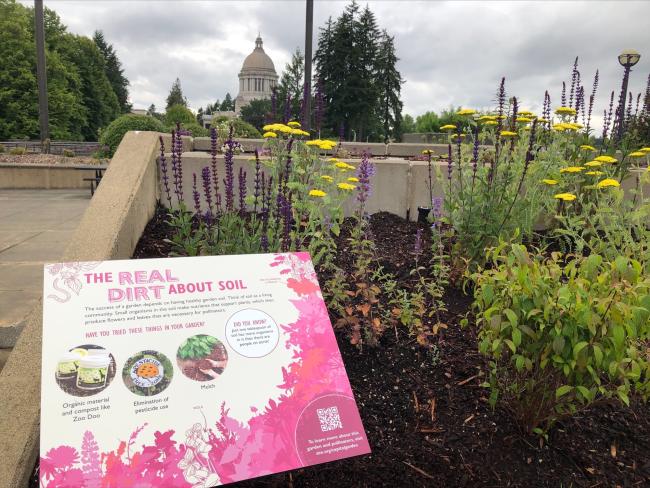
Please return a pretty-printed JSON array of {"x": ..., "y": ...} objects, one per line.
[{"x": 87, "y": 88}]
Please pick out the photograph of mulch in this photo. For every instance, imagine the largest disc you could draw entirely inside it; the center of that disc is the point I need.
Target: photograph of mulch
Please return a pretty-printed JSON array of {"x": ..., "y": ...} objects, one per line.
[
  {"x": 78, "y": 375},
  {"x": 147, "y": 373},
  {"x": 202, "y": 357}
]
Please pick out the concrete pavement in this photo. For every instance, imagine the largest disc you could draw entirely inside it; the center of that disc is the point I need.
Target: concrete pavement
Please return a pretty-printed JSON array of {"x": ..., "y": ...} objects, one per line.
[{"x": 35, "y": 226}]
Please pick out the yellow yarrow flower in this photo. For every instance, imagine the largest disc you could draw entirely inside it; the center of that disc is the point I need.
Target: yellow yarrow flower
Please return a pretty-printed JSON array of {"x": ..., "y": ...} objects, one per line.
[
  {"x": 586, "y": 147},
  {"x": 266, "y": 135},
  {"x": 327, "y": 178},
  {"x": 606, "y": 159},
  {"x": 645, "y": 149},
  {"x": 346, "y": 186},
  {"x": 526, "y": 113},
  {"x": 314, "y": 142},
  {"x": 490, "y": 122},
  {"x": 549, "y": 182},
  {"x": 267, "y": 127},
  {"x": 608, "y": 182},
  {"x": 448, "y": 127},
  {"x": 427, "y": 151},
  {"x": 293, "y": 123},
  {"x": 466, "y": 111},
  {"x": 637, "y": 154},
  {"x": 508, "y": 133},
  {"x": 317, "y": 193},
  {"x": 567, "y": 197},
  {"x": 565, "y": 111},
  {"x": 594, "y": 164},
  {"x": 572, "y": 169},
  {"x": 523, "y": 119},
  {"x": 594, "y": 173},
  {"x": 353, "y": 179}
]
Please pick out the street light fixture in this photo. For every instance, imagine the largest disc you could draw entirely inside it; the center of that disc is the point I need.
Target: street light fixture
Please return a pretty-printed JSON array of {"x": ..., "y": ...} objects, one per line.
[{"x": 627, "y": 58}]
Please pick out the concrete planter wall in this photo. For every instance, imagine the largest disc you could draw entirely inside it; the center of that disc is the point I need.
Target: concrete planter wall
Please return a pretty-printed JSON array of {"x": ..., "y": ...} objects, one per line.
[{"x": 21, "y": 176}]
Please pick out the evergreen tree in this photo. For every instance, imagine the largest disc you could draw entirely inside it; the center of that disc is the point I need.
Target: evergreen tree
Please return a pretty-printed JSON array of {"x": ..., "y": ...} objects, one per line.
[
  {"x": 257, "y": 113},
  {"x": 390, "y": 83},
  {"x": 291, "y": 87},
  {"x": 175, "y": 96},
  {"x": 228, "y": 104},
  {"x": 151, "y": 110},
  {"x": 114, "y": 72},
  {"x": 349, "y": 65}
]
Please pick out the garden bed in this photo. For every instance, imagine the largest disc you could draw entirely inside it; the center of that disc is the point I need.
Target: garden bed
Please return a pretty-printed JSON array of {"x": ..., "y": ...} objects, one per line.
[{"x": 428, "y": 420}]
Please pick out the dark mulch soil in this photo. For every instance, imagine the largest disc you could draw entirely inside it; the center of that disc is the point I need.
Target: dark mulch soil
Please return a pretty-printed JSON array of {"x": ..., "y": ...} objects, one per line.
[{"x": 428, "y": 420}]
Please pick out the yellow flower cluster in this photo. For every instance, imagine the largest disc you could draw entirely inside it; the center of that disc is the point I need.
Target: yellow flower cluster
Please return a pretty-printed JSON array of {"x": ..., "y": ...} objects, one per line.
[
  {"x": 327, "y": 178},
  {"x": 508, "y": 133},
  {"x": 326, "y": 145},
  {"x": 353, "y": 179},
  {"x": 346, "y": 186},
  {"x": 342, "y": 165},
  {"x": 637, "y": 154},
  {"x": 525, "y": 120},
  {"x": 290, "y": 128},
  {"x": 268, "y": 134},
  {"x": 526, "y": 113},
  {"x": 606, "y": 159},
  {"x": 466, "y": 111},
  {"x": 486, "y": 118},
  {"x": 567, "y": 197},
  {"x": 562, "y": 126},
  {"x": 586, "y": 147},
  {"x": 549, "y": 182},
  {"x": 317, "y": 193},
  {"x": 594, "y": 164},
  {"x": 594, "y": 173},
  {"x": 293, "y": 123},
  {"x": 608, "y": 182},
  {"x": 490, "y": 122},
  {"x": 565, "y": 111},
  {"x": 448, "y": 127},
  {"x": 572, "y": 169},
  {"x": 645, "y": 150}
]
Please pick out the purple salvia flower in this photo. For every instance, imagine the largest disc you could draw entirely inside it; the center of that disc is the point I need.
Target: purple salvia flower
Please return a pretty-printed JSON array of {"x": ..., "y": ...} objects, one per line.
[
  {"x": 638, "y": 101},
  {"x": 229, "y": 180},
  {"x": 196, "y": 195},
  {"x": 608, "y": 116},
  {"x": 287, "y": 216},
  {"x": 574, "y": 76},
  {"x": 365, "y": 172},
  {"x": 592, "y": 98},
  {"x": 175, "y": 166},
  {"x": 207, "y": 192},
  {"x": 287, "y": 165},
  {"x": 241, "y": 179},
  {"x": 258, "y": 182},
  {"x": 437, "y": 210},
  {"x": 266, "y": 208},
  {"x": 179, "y": 161},
  {"x": 449, "y": 163},
  {"x": 215, "y": 175},
  {"x": 563, "y": 98},
  {"x": 628, "y": 113},
  {"x": 163, "y": 170}
]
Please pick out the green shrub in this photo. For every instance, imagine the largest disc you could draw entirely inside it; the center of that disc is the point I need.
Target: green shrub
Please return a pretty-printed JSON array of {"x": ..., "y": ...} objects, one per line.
[
  {"x": 2, "y": 148},
  {"x": 179, "y": 113},
  {"x": 196, "y": 130},
  {"x": 68, "y": 153},
  {"x": 240, "y": 127},
  {"x": 112, "y": 135},
  {"x": 562, "y": 336},
  {"x": 18, "y": 151}
]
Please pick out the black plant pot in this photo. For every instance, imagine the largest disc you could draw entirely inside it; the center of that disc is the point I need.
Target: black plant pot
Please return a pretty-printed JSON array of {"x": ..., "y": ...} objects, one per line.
[{"x": 423, "y": 214}]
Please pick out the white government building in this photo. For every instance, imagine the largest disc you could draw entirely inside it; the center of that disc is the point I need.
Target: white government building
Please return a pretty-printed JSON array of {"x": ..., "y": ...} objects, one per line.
[{"x": 256, "y": 81}]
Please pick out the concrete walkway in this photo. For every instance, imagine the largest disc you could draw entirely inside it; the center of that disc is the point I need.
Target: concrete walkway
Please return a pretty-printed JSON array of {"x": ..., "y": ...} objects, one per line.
[{"x": 35, "y": 226}]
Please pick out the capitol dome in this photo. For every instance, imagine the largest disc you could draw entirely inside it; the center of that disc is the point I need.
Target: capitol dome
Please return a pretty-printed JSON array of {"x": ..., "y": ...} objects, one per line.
[{"x": 257, "y": 77}]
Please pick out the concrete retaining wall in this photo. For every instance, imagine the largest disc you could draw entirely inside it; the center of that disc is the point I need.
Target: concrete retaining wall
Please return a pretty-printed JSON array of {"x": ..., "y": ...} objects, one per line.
[
  {"x": 21, "y": 176},
  {"x": 110, "y": 229}
]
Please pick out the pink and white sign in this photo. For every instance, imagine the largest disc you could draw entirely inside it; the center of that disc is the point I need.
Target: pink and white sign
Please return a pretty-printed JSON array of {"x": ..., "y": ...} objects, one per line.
[{"x": 190, "y": 372}]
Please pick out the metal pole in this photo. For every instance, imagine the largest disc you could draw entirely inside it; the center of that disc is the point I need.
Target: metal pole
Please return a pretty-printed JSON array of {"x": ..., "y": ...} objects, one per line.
[
  {"x": 621, "y": 109},
  {"x": 41, "y": 74},
  {"x": 309, "y": 27}
]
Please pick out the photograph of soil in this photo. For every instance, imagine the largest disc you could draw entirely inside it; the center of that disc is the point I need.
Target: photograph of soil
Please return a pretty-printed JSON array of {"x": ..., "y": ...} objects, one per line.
[
  {"x": 202, "y": 357},
  {"x": 85, "y": 370},
  {"x": 147, "y": 373}
]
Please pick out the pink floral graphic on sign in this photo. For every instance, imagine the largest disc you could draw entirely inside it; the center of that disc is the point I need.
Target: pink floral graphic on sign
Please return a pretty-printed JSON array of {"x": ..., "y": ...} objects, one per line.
[
  {"x": 232, "y": 450},
  {"x": 67, "y": 278}
]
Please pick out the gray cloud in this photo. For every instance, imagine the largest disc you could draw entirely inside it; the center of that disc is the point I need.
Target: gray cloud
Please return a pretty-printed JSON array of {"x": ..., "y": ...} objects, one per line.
[{"x": 450, "y": 52}]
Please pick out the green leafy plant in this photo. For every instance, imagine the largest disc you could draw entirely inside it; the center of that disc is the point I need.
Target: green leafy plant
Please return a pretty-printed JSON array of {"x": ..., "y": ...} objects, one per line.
[
  {"x": 17, "y": 151},
  {"x": 562, "y": 332},
  {"x": 197, "y": 347},
  {"x": 112, "y": 135},
  {"x": 68, "y": 153}
]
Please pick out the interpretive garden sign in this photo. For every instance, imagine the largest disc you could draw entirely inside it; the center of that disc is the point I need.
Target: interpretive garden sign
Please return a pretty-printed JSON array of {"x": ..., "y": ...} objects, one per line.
[{"x": 190, "y": 372}]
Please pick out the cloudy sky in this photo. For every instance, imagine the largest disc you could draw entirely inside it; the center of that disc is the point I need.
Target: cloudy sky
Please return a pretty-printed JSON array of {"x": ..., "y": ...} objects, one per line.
[{"x": 450, "y": 52}]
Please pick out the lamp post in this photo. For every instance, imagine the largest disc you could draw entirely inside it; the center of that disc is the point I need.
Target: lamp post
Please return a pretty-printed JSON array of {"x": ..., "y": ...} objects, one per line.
[
  {"x": 309, "y": 27},
  {"x": 627, "y": 59},
  {"x": 41, "y": 75}
]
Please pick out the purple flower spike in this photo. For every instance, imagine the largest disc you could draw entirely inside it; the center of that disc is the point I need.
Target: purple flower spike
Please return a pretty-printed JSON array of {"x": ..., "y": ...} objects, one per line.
[
  {"x": 163, "y": 170},
  {"x": 229, "y": 181},
  {"x": 207, "y": 192},
  {"x": 241, "y": 179},
  {"x": 449, "y": 163},
  {"x": 258, "y": 182},
  {"x": 365, "y": 172},
  {"x": 213, "y": 162},
  {"x": 196, "y": 195}
]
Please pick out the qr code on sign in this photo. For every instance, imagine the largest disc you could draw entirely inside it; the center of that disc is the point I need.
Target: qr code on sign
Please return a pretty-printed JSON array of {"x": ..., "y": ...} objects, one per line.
[{"x": 329, "y": 419}]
